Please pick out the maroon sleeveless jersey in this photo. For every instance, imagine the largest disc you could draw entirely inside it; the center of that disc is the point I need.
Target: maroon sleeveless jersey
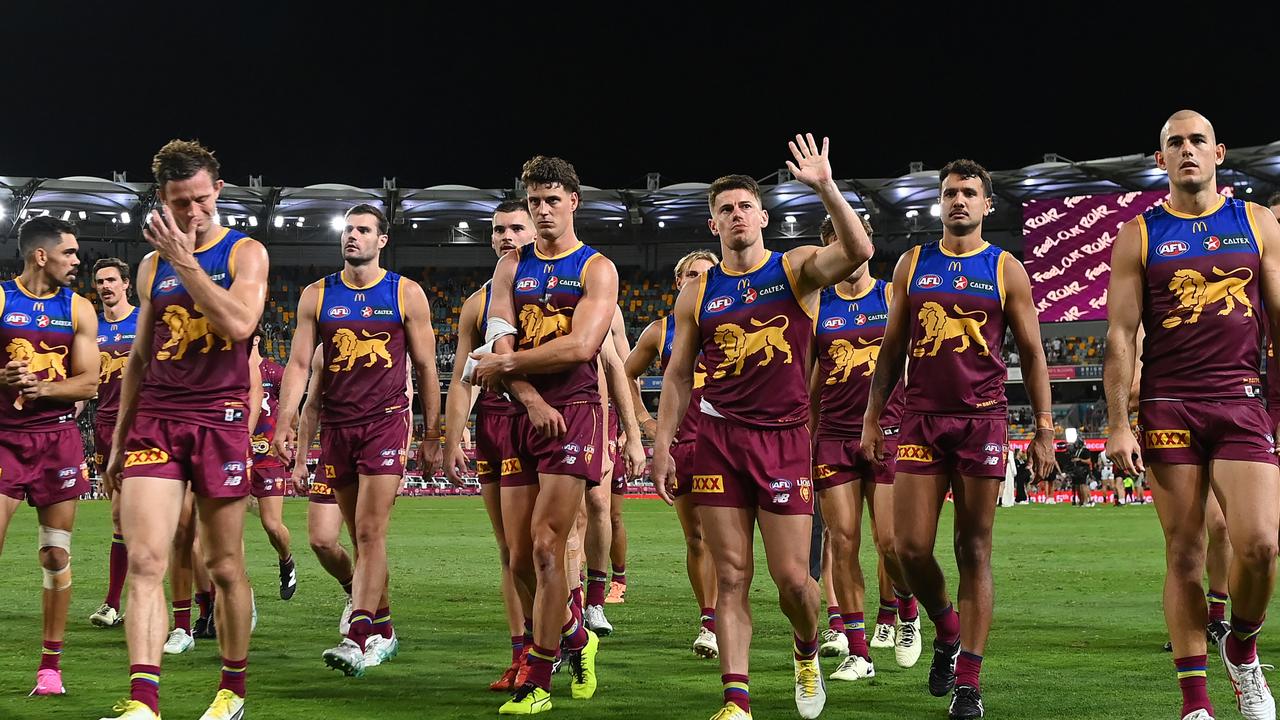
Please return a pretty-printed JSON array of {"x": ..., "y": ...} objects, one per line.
[
  {"x": 362, "y": 333},
  {"x": 265, "y": 432},
  {"x": 1201, "y": 311},
  {"x": 954, "y": 361},
  {"x": 688, "y": 429},
  {"x": 755, "y": 343},
  {"x": 115, "y": 340},
  {"x": 545, "y": 294},
  {"x": 40, "y": 330},
  {"x": 849, "y": 333},
  {"x": 489, "y": 402},
  {"x": 195, "y": 375}
]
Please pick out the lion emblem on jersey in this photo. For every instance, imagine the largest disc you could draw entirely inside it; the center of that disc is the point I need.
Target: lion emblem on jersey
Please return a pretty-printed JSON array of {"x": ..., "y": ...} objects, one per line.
[
  {"x": 52, "y": 362},
  {"x": 1195, "y": 293},
  {"x": 184, "y": 329},
  {"x": 737, "y": 344},
  {"x": 940, "y": 327},
  {"x": 111, "y": 365},
  {"x": 536, "y": 326},
  {"x": 350, "y": 348},
  {"x": 847, "y": 357}
]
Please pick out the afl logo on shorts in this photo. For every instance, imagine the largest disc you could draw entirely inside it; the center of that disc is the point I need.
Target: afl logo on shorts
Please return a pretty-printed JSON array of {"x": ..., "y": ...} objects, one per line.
[
  {"x": 928, "y": 281},
  {"x": 17, "y": 319},
  {"x": 724, "y": 302},
  {"x": 339, "y": 311},
  {"x": 992, "y": 448},
  {"x": 235, "y": 466},
  {"x": 834, "y": 323},
  {"x": 1172, "y": 248},
  {"x": 526, "y": 284}
]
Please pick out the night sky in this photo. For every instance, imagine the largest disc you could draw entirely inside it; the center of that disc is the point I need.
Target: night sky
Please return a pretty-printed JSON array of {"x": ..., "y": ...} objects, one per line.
[{"x": 435, "y": 96}]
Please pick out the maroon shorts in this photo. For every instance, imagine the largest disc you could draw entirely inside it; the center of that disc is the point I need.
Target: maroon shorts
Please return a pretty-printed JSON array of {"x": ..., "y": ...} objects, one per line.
[
  {"x": 269, "y": 480},
  {"x": 682, "y": 455},
  {"x": 45, "y": 468},
  {"x": 320, "y": 492},
  {"x": 579, "y": 453},
  {"x": 937, "y": 445},
  {"x": 739, "y": 466},
  {"x": 1273, "y": 412},
  {"x": 1195, "y": 432},
  {"x": 102, "y": 435},
  {"x": 618, "y": 478},
  {"x": 374, "y": 448},
  {"x": 837, "y": 462},
  {"x": 496, "y": 453},
  {"x": 214, "y": 460}
]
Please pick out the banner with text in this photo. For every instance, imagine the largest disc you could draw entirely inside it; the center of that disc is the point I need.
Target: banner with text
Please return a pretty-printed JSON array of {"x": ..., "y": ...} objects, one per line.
[{"x": 1067, "y": 249}]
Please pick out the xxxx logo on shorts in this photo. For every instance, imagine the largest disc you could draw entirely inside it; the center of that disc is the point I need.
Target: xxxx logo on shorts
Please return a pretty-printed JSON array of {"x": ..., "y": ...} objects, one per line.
[
  {"x": 708, "y": 483},
  {"x": 151, "y": 456},
  {"x": 511, "y": 466},
  {"x": 319, "y": 488},
  {"x": 822, "y": 472},
  {"x": 330, "y": 472},
  {"x": 915, "y": 453},
  {"x": 482, "y": 467},
  {"x": 1168, "y": 439}
]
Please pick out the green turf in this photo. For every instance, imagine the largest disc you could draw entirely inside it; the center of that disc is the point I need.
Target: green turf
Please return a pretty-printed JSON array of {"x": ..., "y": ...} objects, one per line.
[{"x": 1077, "y": 633}]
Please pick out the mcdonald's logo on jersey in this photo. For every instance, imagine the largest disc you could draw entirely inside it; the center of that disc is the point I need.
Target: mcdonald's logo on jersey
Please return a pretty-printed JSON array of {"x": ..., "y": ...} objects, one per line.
[
  {"x": 955, "y": 266},
  {"x": 1199, "y": 226}
]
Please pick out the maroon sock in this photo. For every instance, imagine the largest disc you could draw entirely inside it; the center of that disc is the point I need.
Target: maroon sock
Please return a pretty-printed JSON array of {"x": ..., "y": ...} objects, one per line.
[
  {"x": 144, "y": 685},
  {"x": 575, "y": 597},
  {"x": 233, "y": 675},
  {"x": 908, "y": 609},
  {"x": 834, "y": 621},
  {"x": 1192, "y": 679},
  {"x": 1217, "y": 606},
  {"x": 596, "y": 582},
  {"x": 361, "y": 627},
  {"x": 968, "y": 667},
  {"x": 806, "y": 649},
  {"x": 182, "y": 614},
  {"x": 620, "y": 574},
  {"x": 382, "y": 623},
  {"x": 946, "y": 623},
  {"x": 51, "y": 655},
  {"x": 517, "y": 648},
  {"x": 117, "y": 568},
  {"x": 204, "y": 601},
  {"x": 736, "y": 691},
  {"x": 1242, "y": 641},
  {"x": 888, "y": 612},
  {"x": 709, "y": 619},
  {"x": 855, "y": 631},
  {"x": 574, "y": 633},
  {"x": 540, "y": 660}
]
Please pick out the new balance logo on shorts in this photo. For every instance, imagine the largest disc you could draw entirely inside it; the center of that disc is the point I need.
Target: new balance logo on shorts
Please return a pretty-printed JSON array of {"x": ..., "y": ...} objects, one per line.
[
  {"x": 708, "y": 483},
  {"x": 915, "y": 453},
  {"x": 1168, "y": 439},
  {"x": 151, "y": 456}
]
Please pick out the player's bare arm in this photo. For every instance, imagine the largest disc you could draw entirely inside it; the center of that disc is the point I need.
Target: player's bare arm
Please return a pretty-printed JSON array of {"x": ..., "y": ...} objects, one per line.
[
  {"x": 1268, "y": 231},
  {"x": 892, "y": 362},
  {"x": 255, "y": 390},
  {"x": 677, "y": 385},
  {"x": 817, "y": 268},
  {"x": 82, "y": 381},
  {"x": 620, "y": 387},
  {"x": 640, "y": 359},
  {"x": 308, "y": 422},
  {"x": 135, "y": 369},
  {"x": 421, "y": 339},
  {"x": 460, "y": 398},
  {"x": 233, "y": 312},
  {"x": 1024, "y": 323},
  {"x": 301, "y": 350},
  {"x": 1124, "y": 314}
]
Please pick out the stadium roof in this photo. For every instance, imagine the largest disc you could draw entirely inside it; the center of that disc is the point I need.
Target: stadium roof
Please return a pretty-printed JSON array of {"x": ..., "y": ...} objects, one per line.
[{"x": 899, "y": 207}]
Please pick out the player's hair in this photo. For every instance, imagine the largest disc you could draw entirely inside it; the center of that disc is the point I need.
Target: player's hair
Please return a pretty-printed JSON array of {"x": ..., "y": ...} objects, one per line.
[
  {"x": 182, "y": 159},
  {"x": 967, "y": 169},
  {"x": 543, "y": 170},
  {"x": 827, "y": 231},
  {"x": 683, "y": 264},
  {"x": 732, "y": 182},
  {"x": 1274, "y": 200},
  {"x": 42, "y": 232},
  {"x": 259, "y": 334},
  {"x": 112, "y": 262},
  {"x": 366, "y": 209},
  {"x": 509, "y": 206}
]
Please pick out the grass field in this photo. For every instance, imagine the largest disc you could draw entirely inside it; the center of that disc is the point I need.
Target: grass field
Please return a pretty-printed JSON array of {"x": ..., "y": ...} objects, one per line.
[{"x": 1077, "y": 634}]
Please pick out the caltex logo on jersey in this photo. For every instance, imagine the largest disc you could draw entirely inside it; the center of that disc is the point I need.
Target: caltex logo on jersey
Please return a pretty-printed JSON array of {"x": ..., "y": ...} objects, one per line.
[
  {"x": 526, "y": 284},
  {"x": 339, "y": 311},
  {"x": 721, "y": 303},
  {"x": 928, "y": 281},
  {"x": 1211, "y": 243},
  {"x": 1172, "y": 248},
  {"x": 961, "y": 282},
  {"x": 366, "y": 312},
  {"x": 749, "y": 295},
  {"x": 17, "y": 318},
  {"x": 834, "y": 323},
  {"x": 42, "y": 321},
  {"x": 860, "y": 320},
  {"x": 552, "y": 282}
]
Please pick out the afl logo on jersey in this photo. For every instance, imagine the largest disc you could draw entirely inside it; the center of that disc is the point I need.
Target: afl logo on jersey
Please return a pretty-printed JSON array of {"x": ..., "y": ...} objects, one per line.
[
  {"x": 928, "y": 281},
  {"x": 526, "y": 284},
  {"x": 724, "y": 302},
  {"x": 339, "y": 311},
  {"x": 169, "y": 284},
  {"x": 17, "y": 319},
  {"x": 834, "y": 323},
  {"x": 1172, "y": 248}
]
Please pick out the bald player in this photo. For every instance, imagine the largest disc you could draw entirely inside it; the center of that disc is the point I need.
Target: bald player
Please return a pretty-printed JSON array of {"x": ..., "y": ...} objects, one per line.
[
  {"x": 51, "y": 363},
  {"x": 751, "y": 317},
  {"x": 1204, "y": 426}
]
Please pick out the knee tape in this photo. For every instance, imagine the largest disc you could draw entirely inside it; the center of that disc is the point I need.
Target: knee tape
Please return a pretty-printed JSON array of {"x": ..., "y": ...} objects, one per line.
[
  {"x": 55, "y": 538},
  {"x": 57, "y": 580}
]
